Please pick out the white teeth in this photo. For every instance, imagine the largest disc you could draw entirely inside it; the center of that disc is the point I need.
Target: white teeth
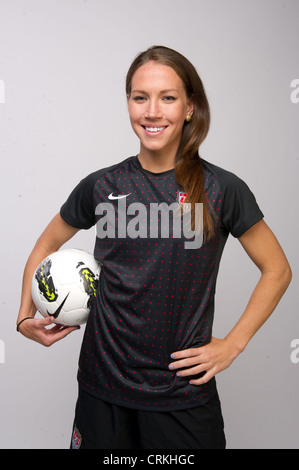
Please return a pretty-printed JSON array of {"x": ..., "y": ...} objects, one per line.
[{"x": 154, "y": 129}]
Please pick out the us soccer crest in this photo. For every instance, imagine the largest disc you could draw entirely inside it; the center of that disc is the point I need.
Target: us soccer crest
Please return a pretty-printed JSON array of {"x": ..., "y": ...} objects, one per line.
[
  {"x": 76, "y": 439},
  {"x": 181, "y": 197}
]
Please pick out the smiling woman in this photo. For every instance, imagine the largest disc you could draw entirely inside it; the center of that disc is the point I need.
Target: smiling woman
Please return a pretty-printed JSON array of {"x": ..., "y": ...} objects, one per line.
[
  {"x": 188, "y": 89},
  {"x": 148, "y": 343}
]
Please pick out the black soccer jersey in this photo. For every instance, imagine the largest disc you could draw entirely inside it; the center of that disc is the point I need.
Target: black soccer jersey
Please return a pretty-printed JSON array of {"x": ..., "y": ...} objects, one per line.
[{"x": 157, "y": 285}]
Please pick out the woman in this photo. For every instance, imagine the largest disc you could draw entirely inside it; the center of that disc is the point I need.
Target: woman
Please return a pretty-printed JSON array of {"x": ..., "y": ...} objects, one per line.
[{"x": 148, "y": 359}]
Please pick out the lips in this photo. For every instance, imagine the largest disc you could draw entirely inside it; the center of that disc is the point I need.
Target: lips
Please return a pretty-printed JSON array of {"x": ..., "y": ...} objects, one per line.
[{"x": 154, "y": 130}]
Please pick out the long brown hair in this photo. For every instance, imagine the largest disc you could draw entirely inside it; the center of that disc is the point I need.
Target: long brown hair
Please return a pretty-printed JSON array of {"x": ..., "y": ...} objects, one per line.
[{"x": 188, "y": 165}]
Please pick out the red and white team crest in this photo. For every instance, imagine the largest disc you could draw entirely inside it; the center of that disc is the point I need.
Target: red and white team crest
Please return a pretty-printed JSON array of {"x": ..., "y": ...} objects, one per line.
[
  {"x": 181, "y": 197},
  {"x": 76, "y": 439}
]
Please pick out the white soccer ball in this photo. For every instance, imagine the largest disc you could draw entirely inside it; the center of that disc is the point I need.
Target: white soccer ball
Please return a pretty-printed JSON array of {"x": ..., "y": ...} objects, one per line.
[{"x": 64, "y": 285}]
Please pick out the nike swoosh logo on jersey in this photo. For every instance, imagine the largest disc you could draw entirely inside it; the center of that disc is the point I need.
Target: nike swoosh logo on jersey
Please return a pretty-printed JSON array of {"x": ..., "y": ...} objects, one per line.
[
  {"x": 117, "y": 197},
  {"x": 57, "y": 312}
]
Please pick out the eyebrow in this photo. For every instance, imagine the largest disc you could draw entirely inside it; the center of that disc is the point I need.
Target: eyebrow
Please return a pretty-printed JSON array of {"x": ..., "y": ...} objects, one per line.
[{"x": 162, "y": 91}]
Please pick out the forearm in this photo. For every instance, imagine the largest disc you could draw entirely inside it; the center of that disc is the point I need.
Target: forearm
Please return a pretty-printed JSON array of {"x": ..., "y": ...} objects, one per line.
[
  {"x": 263, "y": 248},
  {"x": 262, "y": 303},
  {"x": 27, "y": 307},
  {"x": 219, "y": 354},
  {"x": 36, "y": 329},
  {"x": 54, "y": 236}
]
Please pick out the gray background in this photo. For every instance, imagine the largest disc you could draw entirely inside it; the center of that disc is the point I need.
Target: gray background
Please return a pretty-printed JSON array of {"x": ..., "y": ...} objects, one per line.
[{"x": 63, "y": 64}]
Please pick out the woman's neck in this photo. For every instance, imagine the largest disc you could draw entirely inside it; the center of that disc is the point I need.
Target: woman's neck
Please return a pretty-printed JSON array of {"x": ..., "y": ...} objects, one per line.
[{"x": 156, "y": 163}]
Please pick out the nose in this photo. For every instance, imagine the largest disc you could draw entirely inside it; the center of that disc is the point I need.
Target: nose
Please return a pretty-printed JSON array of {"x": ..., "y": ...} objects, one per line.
[{"x": 153, "y": 109}]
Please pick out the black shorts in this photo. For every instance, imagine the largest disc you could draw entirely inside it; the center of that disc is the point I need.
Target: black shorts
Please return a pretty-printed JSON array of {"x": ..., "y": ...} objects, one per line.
[{"x": 102, "y": 425}]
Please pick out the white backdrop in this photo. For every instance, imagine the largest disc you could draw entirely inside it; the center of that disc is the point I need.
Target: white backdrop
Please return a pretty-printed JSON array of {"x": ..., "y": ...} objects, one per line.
[{"x": 63, "y": 115}]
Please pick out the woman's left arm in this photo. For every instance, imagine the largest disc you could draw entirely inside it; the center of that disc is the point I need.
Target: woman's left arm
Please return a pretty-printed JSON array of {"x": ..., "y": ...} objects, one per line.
[{"x": 263, "y": 248}]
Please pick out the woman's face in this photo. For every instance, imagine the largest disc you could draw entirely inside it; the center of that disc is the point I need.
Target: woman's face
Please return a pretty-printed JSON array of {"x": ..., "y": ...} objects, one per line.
[{"x": 158, "y": 106}]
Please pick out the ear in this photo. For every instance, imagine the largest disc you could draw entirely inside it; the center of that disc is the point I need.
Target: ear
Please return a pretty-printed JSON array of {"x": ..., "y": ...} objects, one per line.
[{"x": 190, "y": 106}]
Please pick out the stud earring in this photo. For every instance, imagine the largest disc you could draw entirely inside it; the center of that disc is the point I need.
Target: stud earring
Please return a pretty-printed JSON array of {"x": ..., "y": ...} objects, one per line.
[{"x": 188, "y": 117}]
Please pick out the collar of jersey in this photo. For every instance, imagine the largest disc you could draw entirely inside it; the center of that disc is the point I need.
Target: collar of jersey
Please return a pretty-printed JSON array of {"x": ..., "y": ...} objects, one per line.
[{"x": 156, "y": 175}]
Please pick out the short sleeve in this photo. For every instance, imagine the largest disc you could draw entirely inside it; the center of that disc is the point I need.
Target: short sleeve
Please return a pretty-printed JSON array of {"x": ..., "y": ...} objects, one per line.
[
  {"x": 78, "y": 210},
  {"x": 240, "y": 209}
]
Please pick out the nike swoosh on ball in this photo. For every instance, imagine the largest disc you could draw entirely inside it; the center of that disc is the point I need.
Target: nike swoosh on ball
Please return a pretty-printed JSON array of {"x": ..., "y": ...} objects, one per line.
[{"x": 57, "y": 312}]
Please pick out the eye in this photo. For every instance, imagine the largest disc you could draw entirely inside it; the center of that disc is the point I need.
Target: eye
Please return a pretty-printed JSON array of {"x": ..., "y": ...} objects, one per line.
[
  {"x": 139, "y": 98},
  {"x": 169, "y": 98}
]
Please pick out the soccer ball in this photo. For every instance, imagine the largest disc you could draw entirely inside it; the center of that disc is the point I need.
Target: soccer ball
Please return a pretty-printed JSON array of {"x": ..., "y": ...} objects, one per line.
[{"x": 64, "y": 286}]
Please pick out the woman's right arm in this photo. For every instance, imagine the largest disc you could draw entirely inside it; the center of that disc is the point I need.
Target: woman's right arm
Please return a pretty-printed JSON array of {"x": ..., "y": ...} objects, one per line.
[{"x": 54, "y": 236}]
